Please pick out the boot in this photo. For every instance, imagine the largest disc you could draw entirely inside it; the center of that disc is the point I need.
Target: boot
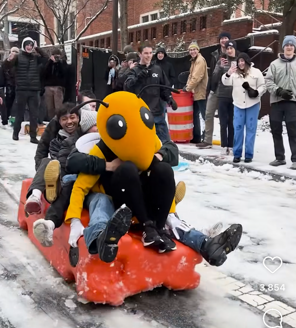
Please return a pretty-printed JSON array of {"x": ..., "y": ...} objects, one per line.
[
  {"x": 215, "y": 250},
  {"x": 117, "y": 227},
  {"x": 52, "y": 180},
  {"x": 34, "y": 140},
  {"x": 15, "y": 136},
  {"x": 180, "y": 192}
]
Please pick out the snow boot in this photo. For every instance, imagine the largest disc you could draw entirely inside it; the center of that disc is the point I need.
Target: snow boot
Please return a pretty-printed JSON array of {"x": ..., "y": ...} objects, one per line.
[
  {"x": 52, "y": 180},
  {"x": 117, "y": 227},
  {"x": 215, "y": 250}
]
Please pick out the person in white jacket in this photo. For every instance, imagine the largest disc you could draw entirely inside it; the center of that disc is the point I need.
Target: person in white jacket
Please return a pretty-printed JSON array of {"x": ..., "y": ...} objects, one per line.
[{"x": 248, "y": 87}]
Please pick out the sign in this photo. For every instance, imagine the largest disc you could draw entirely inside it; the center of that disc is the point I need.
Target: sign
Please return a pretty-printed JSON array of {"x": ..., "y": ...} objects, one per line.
[{"x": 68, "y": 52}]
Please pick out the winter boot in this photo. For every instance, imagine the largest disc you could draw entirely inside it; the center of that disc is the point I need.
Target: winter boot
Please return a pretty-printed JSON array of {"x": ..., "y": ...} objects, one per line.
[
  {"x": 168, "y": 244},
  {"x": 117, "y": 227},
  {"x": 150, "y": 235},
  {"x": 43, "y": 231},
  {"x": 180, "y": 192},
  {"x": 215, "y": 250},
  {"x": 34, "y": 140},
  {"x": 236, "y": 159},
  {"x": 15, "y": 136},
  {"x": 52, "y": 180}
]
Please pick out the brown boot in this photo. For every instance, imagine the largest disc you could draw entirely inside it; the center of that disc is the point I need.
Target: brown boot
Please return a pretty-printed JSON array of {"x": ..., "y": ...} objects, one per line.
[{"x": 180, "y": 192}]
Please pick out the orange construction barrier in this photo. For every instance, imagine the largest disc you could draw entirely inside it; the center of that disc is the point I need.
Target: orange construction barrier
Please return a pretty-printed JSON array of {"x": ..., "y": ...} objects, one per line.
[
  {"x": 135, "y": 269},
  {"x": 181, "y": 120}
]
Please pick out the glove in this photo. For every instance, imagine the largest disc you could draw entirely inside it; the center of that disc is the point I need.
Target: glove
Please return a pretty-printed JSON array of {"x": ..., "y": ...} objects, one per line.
[
  {"x": 184, "y": 89},
  {"x": 252, "y": 93},
  {"x": 143, "y": 74},
  {"x": 172, "y": 103},
  {"x": 246, "y": 85},
  {"x": 284, "y": 93},
  {"x": 173, "y": 223},
  {"x": 76, "y": 232}
]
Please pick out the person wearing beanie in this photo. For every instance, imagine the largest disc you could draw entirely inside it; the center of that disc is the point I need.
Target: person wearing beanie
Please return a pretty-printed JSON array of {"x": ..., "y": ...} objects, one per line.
[
  {"x": 132, "y": 59},
  {"x": 248, "y": 87},
  {"x": 224, "y": 94},
  {"x": 28, "y": 84},
  {"x": 167, "y": 67},
  {"x": 212, "y": 99},
  {"x": 281, "y": 84},
  {"x": 197, "y": 84}
]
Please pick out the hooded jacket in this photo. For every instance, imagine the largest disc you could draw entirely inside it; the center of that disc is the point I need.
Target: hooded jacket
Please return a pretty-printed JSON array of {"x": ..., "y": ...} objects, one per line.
[
  {"x": 281, "y": 74},
  {"x": 166, "y": 66}
]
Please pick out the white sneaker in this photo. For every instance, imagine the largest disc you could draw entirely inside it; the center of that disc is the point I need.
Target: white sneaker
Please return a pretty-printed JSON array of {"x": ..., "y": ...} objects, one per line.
[
  {"x": 214, "y": 230},
  {"x": 43, "y": 231},
  {"x": 224, "y": 151},
  {"x": 293, "y": 166},
  {"x": 33, "y": 205},
  {"x": 230, "y": 151}
]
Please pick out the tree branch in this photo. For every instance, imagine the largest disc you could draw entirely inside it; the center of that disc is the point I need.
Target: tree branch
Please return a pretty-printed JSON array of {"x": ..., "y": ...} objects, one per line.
[{"x": 10, "y": 12}]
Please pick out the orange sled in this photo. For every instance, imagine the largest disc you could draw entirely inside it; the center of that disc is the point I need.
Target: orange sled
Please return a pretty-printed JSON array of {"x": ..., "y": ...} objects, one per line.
[{"x": 135, "y": 269}]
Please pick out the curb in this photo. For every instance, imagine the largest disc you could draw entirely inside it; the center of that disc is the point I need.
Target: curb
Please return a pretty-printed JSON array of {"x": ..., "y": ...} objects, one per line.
[{"x": 217, "y": 162}]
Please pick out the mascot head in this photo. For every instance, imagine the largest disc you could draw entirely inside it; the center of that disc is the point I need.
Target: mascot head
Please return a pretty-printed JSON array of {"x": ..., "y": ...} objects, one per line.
[{"x": 126, "y": 126}]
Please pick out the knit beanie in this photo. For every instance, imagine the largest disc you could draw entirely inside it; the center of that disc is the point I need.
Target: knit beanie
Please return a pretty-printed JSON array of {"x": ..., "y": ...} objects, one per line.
[
  {"x": 88, "y": 120},
  {"x": 245, "y": 57},
  {"x": 289, "y": 39},
  {"x": 132, "y": 56},
  {"x": 193, "y": 45},
  {"x": 14, "y": 49},
  {"x": 230, "y": 43},
  {"x": 224, "y": 35}
]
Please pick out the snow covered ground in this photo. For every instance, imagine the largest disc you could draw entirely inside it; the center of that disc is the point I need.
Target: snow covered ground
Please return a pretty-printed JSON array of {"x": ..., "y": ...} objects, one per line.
[{"x": 32, "y": 294}]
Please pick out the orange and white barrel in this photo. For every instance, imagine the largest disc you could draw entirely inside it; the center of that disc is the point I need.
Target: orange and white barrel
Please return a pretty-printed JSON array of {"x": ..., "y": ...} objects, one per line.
[{"x": 181, "y": 120}]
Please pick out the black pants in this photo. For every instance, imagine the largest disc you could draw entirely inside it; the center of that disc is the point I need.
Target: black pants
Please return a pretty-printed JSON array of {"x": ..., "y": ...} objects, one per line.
[
  {"x": 38, "y": 181},
  {"x": 32, "y": 99},
  {"x": 9, "y": 100},
  {"x": 279, "y": 112},
  {"x": 148, "y": 195},
  {"x": 3, "y": 109},
  {"x": 225, "y": 112}
]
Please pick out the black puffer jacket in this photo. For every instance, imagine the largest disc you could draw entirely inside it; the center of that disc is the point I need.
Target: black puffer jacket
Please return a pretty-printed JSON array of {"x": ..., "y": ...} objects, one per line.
[
  {"x": 166, "y": 66},
  {"x": 55, "y": 74},
  {"x": 9, "y": 73},
  {"x": 151, "y": 95}
]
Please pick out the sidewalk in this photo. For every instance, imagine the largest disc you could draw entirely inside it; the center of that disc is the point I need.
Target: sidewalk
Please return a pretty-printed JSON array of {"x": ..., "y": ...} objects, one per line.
[{"x": 264, "y": 153}]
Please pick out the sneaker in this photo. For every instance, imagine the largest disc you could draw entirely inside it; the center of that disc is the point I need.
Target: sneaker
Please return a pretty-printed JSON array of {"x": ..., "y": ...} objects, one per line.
[
  {"x": 215, "y": 250},
  {"x": 230, "y": 151},
  {"x": 293, "y": 166},
  {"x": 236, "y": 159},
  {"x": 33, "y": 205},
  {"x": 168, "y": 244},
  {"x": 224, "y": 151},
  {"x": 150, "y": 235},
  {"x": 195, "y": 141},
  {"x": 117, "y": 227},
  {"x": 214, "y": 230},
  {"x": 278, "y": 162},
  {"x": 52, "y": 180},
  {"x": 204, "y": 145},
  {"x": 180, "y": 192},
  {"x": 34, "y": 140},
  {"x": 248, "y": 160},
  {"x": 43, "y": 231}
]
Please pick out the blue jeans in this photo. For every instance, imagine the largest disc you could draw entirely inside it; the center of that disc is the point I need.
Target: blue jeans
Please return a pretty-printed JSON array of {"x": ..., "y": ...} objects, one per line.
[
  {"x": 245, "y": 117},
  {"x": 199, "y": 107},
  {"x": 101, "y": 209},
  {"x": 193, "y": 238},
  {"x": 161, "y": 126},
  {"x": 69, "y": 178}
]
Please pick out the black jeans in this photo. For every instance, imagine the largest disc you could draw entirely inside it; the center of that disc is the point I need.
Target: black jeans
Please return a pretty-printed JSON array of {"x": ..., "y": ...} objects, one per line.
[
  {"x": 9, "y": 100},
  {"x": 148, "y": 195},
  {"x": 32, "y": 99},
  {"x": 3, "y": 108},
  {"x": 279, "y": 112},
  {"x": 199, "y": 107},
  {"x": 225, "y": 112}
]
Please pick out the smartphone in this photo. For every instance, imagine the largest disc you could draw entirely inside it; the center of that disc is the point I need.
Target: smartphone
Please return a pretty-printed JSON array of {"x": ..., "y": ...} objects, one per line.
[{"x": 233, "y": 64}]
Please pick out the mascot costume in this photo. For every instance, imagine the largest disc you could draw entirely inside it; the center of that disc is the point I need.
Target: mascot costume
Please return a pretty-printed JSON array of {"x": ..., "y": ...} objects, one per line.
[{"x": 142, "y": 182}]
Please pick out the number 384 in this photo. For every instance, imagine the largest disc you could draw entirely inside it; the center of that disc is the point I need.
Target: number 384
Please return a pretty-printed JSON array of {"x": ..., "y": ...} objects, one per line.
[{"x": 272, "y": 287}]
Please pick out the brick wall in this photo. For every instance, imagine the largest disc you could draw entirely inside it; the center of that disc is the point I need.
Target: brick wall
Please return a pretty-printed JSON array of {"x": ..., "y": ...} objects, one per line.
[
  {"x": 238, "y": 28},
  {"x": 263, "y": 18}
]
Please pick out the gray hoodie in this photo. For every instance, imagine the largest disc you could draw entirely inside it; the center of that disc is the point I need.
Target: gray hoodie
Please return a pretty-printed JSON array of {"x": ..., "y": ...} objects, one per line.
[{"x": 281, "y": 74}]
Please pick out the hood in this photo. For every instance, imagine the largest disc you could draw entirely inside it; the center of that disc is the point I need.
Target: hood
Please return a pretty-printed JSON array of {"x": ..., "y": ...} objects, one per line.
[
  {"x": 26, "y": 39},
  {"x": 284, "y": 59},
  {"x": 161, "y": 50},
  {"x": 114, "y": 57}
]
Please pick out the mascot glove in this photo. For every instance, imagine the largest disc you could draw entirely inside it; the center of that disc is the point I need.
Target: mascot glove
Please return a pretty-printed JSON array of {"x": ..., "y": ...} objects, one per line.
[
  {"x": 76, "y": 232},
  {"x": 173, "y": 222}
]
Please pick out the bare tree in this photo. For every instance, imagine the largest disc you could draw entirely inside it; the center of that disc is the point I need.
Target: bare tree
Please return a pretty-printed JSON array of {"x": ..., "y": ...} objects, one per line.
[{"x": 123, "y": 23}]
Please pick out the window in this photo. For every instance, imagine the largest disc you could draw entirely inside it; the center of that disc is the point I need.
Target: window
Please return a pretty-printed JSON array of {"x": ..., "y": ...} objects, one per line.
[
  {"x": 72, "y": 30},
  {"x": 203, "y": 23},
  {"x": 102, "y": 43},
  {"x": 174, "y": 28},
  {"x": 183, "y": 26},
  {"x": 193, "y": 25},
  {"x": 108, "y": 42},
  {"x": 139, "y": 35},
  {"x": 146, "y": 34},
  {"x": 161, "y": 14},
  {"x": 91, "y": 43},
  {"x": 131, "y": 37},
  {"x": 153, "y": 17},
  {"x": 97, "y": 43},
  {"x": 145, "y": 19},
  {"x": 153, "y": 33},
  {"x": 165, "y": 30}
]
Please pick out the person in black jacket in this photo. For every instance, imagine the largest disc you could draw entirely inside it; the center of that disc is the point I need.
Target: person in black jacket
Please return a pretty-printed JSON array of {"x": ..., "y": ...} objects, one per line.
[
  {"x": 167, "y": 67},
  {"x": 146, "y": 73},
  {"x": 3, "y": 111},
  {"x": 28, "y": 85}
]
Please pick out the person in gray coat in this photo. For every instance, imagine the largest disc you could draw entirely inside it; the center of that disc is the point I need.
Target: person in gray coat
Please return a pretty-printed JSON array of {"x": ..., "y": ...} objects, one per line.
[{"x": 281, "y": 84}]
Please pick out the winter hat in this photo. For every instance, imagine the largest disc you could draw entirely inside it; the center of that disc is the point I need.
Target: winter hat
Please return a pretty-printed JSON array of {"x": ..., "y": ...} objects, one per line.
[
  {"x": 132, "y": 56},
  {"x": 224, "y": 35},
  {"x": 245, "y": 57},
  {"x": 26, "y": 42},
  {"x": 160, "y": 49},
  {"x": 88, "y": 120},
  {"x": 193, "y": 45},
  {"x": 15, "y": 49},
  {"x": 230, "y": 43},
  {"x": 289, "y": 39},
  {"x": 127, "y": 49},
  {"x": 56, "y": 51}
]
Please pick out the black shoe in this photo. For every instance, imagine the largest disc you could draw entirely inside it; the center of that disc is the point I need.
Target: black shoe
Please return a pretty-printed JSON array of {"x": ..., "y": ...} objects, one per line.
[
  {"x": 150, "y": 235},
  {"x": 236, "y": 159},
  {"x": 34, "y": 140},
  {"x": 278, "y": 162},
  {"x": 15, "y": 136},
  {"x": 117, "y": 227},
  {"x": 215, "y": 250},
  {"x": 248, "y": 160},
  {"x": 195, "y": 141},
  {"x": 168, "y": 244}
]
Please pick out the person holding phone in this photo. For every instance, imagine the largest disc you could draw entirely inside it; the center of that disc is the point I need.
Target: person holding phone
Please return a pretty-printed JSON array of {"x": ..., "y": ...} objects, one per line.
[{"x": 224, "y": 93}]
